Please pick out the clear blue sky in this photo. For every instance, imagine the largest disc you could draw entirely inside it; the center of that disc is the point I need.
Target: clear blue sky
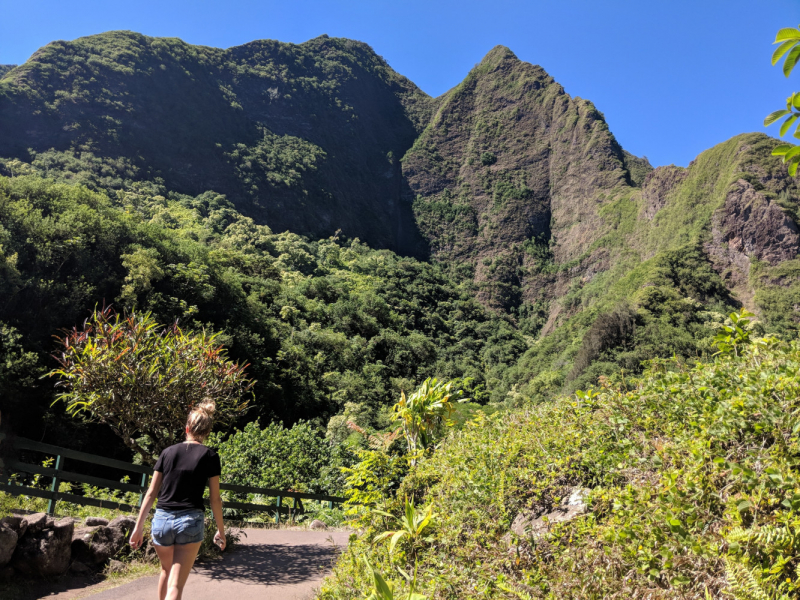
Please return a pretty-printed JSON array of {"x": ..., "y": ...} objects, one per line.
[{"x": 672, "y": 77}]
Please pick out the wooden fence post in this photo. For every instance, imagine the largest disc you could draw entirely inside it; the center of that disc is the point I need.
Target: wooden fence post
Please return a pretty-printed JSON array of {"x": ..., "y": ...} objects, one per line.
[
  {"x": 278, "y": 512},
  {"x": 51, "y": 505},
  {"x": 5, "y": 479},
  {"x": 144, "y": 489}
]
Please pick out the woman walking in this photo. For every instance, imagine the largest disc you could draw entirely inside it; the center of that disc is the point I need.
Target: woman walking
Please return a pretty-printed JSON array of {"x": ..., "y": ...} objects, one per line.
[{"x": 179, "y": 480}]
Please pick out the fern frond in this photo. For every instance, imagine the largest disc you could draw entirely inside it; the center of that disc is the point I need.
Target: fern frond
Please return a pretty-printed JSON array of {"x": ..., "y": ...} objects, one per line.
[
  {"x": 743, "y": 584},
  {"x": 768, "y": 537},
  {"x": 522, "y": 595},
  {"x": 379, "y": 441}
]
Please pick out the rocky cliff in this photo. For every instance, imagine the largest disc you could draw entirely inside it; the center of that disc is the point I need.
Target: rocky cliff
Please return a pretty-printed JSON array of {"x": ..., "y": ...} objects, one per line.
[{"x": 512, "y": 169}]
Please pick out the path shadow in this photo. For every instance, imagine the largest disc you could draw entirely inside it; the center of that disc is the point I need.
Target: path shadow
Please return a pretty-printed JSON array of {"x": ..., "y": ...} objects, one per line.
[
  {"x": 272, "y": 564},
  {"x": 32, "y": 589}
]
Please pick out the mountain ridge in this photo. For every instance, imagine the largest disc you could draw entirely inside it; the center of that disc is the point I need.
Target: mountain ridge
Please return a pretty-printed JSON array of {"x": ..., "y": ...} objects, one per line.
[
  {"x": 518, "y": 189},
  {"x": 125, "y": 95}
]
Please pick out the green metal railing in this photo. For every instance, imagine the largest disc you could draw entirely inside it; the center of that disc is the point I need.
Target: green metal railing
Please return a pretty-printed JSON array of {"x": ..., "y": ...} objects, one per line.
[{"x": 59, "y": 474}]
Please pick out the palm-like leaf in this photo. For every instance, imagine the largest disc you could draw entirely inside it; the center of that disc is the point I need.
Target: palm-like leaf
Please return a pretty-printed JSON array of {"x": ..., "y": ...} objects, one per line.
[
  {"x": 424, "y": 413},
  {"x": 412, "y": 524},
  {"x": 788, "y": 41},
  {"x": 384, "y": 590}
]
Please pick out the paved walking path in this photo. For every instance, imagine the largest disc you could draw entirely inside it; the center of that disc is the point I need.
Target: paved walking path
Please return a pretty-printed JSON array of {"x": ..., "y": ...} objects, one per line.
[{"x": 268, "y": 564}]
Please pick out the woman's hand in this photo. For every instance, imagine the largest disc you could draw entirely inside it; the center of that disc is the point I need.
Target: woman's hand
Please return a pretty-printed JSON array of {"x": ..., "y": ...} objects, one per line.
[
  {"x": 137, "y": 537},
  {"x": 219, "y": 540}
]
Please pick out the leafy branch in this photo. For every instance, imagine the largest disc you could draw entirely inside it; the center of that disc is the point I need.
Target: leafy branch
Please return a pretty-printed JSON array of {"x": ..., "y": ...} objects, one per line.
[{"x": 788, "y": 39}]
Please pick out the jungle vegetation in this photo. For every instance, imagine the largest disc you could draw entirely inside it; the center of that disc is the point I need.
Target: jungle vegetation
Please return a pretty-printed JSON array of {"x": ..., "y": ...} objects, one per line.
[{"x": 589, "y": 306}]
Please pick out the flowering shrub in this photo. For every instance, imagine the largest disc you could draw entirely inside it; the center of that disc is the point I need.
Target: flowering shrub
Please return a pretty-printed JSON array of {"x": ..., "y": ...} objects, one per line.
[{"x": 142, "y": 379}]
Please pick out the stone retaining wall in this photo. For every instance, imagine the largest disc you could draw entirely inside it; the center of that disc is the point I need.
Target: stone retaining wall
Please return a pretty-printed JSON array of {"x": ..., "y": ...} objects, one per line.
[{"x": 40, "y": 546}]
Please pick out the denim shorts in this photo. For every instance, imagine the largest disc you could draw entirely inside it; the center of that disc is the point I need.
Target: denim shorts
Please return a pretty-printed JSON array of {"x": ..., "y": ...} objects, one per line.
[{"x": 172, "y": 527}]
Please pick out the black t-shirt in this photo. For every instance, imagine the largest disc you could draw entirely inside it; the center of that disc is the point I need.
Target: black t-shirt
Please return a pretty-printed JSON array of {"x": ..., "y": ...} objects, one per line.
[{"x": 186, "y": 469}]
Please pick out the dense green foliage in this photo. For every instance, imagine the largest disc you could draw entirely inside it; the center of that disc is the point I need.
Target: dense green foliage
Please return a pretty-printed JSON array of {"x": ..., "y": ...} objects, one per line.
[
  {"x": 692, "y": 481},
  {"x": 676, "y": 312},
  {"x": 330, "y": 322},
  {"x": 297, "y": 458},
  {"x": 588, "y": 261},
  {"x": 281, "y": 129},
  {"x": 665, "y": 272},
  {"x": 321, "y": 323}
]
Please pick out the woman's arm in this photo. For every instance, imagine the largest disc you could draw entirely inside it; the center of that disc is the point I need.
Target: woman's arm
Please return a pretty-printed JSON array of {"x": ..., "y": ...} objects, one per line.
[
  {"x": 216, "y": 509},
  {"x": 137, "y": 535}
]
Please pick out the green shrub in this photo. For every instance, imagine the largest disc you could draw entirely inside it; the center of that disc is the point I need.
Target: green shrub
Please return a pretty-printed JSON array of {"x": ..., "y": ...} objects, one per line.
[
  {"x": 693, "y": 488},
  {"x": 488, "y": 158},
  {"x": 296, "y": 458}
]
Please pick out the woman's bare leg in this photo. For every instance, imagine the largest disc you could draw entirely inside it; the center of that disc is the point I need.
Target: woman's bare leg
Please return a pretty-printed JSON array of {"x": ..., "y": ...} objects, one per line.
[
  {"x": 165, "y": 557},
  {"x": 183, "y": 556}
]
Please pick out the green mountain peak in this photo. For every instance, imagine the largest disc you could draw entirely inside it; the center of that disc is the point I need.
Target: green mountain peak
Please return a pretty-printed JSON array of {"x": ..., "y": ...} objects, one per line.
[{"x": 497, "y": 54}]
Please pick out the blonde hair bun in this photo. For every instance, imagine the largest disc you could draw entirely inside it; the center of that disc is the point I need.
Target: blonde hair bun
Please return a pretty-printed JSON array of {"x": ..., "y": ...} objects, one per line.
[
  {"x": 208, "y": 406},
  {"x": 200, "y": 419}
]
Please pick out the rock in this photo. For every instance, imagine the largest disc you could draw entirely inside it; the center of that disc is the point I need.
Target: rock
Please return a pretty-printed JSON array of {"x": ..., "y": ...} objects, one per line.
[
  {"x": 44, "y": 553},
  {"x": 107, "y": 542},
  {"x": 317, "y": 524},
  {"x": 82, "y": 543},
  {"x": 85, "y": 533},
  {"x": 64, "y": 527},
  {"x": 92, "y": 521},
  {"x": 79, "y": 567},
  {"x": 6, "y": 573},
  {"x": 36, "y": 522},
  {"x": 753, "y": 225},
  {"x": 8, "y": 542},
  {"x": 750, "y": 226},
  {"x": 531, "y": 524},
  {"x": 115, "y": 566},
  {"x": 95, "y": 545},
  {"x": 18, "y": 524},
  {"x": 124, "y": 522},
  {"x": 657, "y": 186}
]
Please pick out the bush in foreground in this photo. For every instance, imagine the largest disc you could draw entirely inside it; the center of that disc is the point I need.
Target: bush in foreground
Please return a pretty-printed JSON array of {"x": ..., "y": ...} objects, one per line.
[{"x": 694, "y": 492}]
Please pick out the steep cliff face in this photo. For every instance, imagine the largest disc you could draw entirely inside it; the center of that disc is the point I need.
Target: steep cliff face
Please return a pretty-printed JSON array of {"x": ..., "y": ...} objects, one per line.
[
  {"x": 512, "y": 170},
  {"x": 303, "y": 137},
  {"x": 656, "y": 187}
]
